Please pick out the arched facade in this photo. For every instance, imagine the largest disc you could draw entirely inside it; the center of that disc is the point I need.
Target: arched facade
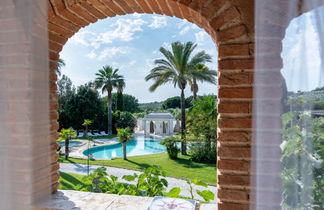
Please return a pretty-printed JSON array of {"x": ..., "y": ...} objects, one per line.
[{"x": 230, "y": 23}]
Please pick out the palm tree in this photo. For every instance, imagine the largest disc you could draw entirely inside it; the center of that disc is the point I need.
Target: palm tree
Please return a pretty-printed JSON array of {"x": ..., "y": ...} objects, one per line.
[
  {"x": 107, "y": 79},
  {"x": 86, "y": 124},
  {"x": 67, "y": 134},
  {"x": 120, "y": 88},
  {"x": 60, "y": 64},
  {"x": 178, "y": 68},
  {"x": 204, "y": 75},
  {"x": 123, "y": 136}
]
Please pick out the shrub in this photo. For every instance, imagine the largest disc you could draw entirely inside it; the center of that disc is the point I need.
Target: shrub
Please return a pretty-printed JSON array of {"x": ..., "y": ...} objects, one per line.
[
  {"x": 171, "y": 145},
  {"x": 203, "y": 153}
]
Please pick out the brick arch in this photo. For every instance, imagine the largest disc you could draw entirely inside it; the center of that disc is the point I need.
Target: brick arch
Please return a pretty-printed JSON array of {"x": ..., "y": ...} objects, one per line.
[{"x": 230, "y": 24}]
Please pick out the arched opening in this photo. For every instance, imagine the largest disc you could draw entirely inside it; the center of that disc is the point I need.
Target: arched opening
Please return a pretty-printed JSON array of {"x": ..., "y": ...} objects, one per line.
[
  {"x": 227, "y": 29},
  {"x": 152, "y": 127},
  {"x": 165, "y": 127}
]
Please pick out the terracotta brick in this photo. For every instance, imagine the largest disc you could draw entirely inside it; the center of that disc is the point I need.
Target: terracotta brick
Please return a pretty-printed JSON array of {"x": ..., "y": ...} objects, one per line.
[
  {"x": 234, "y": 50},
  {"x": 236, "y": 78},
  {"x": 59, "y": 30},
  {"x": 235, "y": 136},
  {"x": 228, "y": 16},
  {"x": 212, "y": 8},
  {"x": 232, "y": 206},
  {"x": 176, "y": 10},
  {"x": 92, "y": 10},
  {"x": 164, "y": 7},
  {"x": 232, "y": 180},
  {"x": 113, "y": 7},
  {"x": 144, "y": 6},
  {"x": 234, "y": 165},
  {"x": 122, "y": 4},
  {"x": 231, "y": 33},
  {"x": 155, "y": 7},
  {"x": 56, "y": 38},
  {"x": 235, "y": 107},
  {"x": 236, "y": 64},
  {"x": 60, "y": 9},
  {"x": 235, "y": 122},
  {"x": 102, "y": 8},
  {"x": 234, "y": 152},
  {"x": 236, "y": 195},
  {"x": 81, "y": 12},
  {"x": 235, "y": 92}
]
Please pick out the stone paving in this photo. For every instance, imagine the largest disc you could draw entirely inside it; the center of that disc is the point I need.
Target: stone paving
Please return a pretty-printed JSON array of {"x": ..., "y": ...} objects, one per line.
[
  {"x": 119, "y": 172},
  {"x": 76, "y": 200}
]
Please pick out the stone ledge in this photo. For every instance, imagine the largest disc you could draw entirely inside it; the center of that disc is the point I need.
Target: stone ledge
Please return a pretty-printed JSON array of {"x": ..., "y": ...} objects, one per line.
[{"x": 68, "y": 199}]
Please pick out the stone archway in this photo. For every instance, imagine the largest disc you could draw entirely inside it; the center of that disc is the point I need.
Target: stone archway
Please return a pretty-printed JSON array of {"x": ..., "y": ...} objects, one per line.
[{"x": 230, "y": 24}]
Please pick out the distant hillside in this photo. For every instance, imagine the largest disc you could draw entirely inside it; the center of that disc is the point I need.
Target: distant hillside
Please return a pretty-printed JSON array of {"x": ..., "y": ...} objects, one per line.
[{"x": 151, "y": 106}]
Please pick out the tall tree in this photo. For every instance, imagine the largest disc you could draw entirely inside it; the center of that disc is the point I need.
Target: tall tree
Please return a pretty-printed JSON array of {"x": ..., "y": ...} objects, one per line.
[
  {"x": 120, "y": 99},
  {"x": 204, "y": 75},
  {"x": 178, "y": 68},
  {"x": 107, "y": 79}
]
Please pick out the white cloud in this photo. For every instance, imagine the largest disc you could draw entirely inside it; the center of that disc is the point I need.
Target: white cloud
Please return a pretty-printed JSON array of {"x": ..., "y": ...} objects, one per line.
[
  {"x": 136, "y": 15},
  {"x": 158, "y": 22},
  {"x": 200, "y": 37},
  {"x": 194, "y": 27},
  {"x": 112, "y": 52},
  {"x": 123, "y": 30},
  {"x": 184, "y": 30},
  {"x": 182, "y": 23},
  {"x": 91, "y": 55},
  {"x": 83, "y": 38}
]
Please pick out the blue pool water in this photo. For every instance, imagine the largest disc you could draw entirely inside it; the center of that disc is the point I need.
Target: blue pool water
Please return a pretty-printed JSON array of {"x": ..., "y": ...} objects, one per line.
[
  {"x": 71, "y": 143},
  {"x": 138, "y": 146}
]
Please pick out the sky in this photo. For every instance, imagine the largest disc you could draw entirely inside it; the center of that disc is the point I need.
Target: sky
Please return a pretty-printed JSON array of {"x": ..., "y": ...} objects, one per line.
[{"x": 131, "y": 43}]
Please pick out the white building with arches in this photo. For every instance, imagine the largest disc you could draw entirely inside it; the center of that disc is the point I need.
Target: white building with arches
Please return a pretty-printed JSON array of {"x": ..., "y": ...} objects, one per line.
[{"x": 158, "y": 124}]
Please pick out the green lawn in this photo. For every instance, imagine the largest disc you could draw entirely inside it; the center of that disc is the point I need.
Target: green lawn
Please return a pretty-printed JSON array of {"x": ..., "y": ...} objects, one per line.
[
  {"x": 181, "y": 168},
  {"x": 68, "y": 181}
]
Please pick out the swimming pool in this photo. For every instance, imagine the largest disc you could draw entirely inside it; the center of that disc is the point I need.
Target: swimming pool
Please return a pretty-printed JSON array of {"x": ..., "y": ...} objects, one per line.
[
  {"x": 71, "y": 143},
  {"x": 138, "y": 146}
]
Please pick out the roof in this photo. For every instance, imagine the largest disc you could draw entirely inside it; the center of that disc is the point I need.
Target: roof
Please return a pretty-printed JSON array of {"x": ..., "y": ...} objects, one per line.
[{"x": 159, "y": 116}]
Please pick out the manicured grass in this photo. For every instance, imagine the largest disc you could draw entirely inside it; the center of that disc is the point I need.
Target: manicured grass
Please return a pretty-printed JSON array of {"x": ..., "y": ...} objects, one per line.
[
  {"x": 182, "y": 168},
  {"x": 68, "y": 181}
]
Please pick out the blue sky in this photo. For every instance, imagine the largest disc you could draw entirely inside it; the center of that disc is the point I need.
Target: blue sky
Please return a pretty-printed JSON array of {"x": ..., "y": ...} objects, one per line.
[{"x": 131, "y": 43}]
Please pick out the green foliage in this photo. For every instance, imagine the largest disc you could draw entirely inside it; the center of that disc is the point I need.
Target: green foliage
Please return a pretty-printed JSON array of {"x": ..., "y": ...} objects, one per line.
[
  {"x": 171, "y": 145},
  {"x": 207, "y": 195},
  {"x": 124, "y": 120},
  {"x": 129, "y": 103},
  {"x": 74, "y": 107},
  {"x": 203, "y": 152},
  {"x": 150, "y": 107},
  {"x": 150, "y": 183},
  {"x": 318, "y": 105},
  {"x": 302, "y": 159},
  {"x": 174, "y": 102},
  {"x": 87, "y": 122},
  {"x": 66, "y": 134},
  {"x": 123, "y": 134},
  {"x": 202, "y": 118}
]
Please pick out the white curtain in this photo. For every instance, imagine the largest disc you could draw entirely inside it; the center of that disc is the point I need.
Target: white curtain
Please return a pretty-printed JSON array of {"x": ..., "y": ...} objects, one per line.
[{"x": 288, "y": 146}]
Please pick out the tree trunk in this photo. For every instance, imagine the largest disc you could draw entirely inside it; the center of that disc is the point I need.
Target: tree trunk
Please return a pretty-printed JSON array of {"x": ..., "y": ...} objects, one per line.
[
  {"x": 120, "y": 101},
  {"x": 194, "y": 88},
  {"x": 109, "y": 113},
  {"x": 124, "y": 150},
  {"x": 183, "y": 123},
  {"x": 66, "y": 149}
]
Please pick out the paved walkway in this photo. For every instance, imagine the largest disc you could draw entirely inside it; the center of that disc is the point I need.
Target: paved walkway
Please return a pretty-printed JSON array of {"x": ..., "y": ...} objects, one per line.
[{"x": 119, "y": 172}]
